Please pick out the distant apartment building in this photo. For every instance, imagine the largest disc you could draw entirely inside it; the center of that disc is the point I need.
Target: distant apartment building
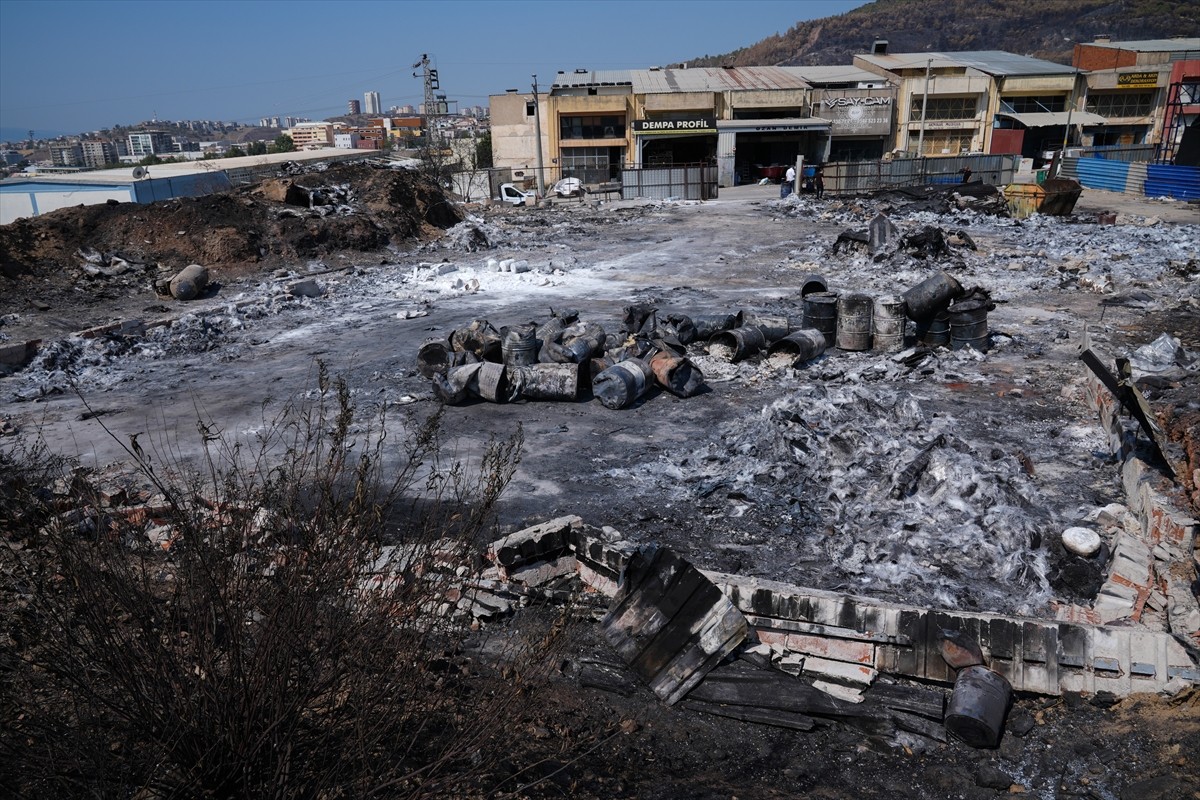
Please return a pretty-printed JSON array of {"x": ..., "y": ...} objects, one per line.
[
  {"x": 269, "y": 122},
  {"x": 291, "y": 122},
  {"x": 148, "y": 143},
  {"x": 371, "y": 103},
  {"x": 66, "y": 154},
  {"x": 311, "y": 135},
  {"x": 346, "y": 141},
  {"x": 98, "y": 153},
  {"x": 353, "y": 107}
]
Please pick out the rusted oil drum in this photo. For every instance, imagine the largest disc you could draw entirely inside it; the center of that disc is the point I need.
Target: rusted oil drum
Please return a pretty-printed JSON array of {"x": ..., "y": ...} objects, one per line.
[
  {"x": 854, "y": 322},
  {"x": 931, "y": 295},
  {"x": 708, "y": 325},
  {"x": 546, "y": 381},
  {"x": 621, "y": 385},
  {"x": 968, "y": 325},
  {"x": 977, "y": 706},
  {"x": 820, "y": 312},
  {"x": 934, "y": 332},
  {"x": 433, "y": 357},
  {"x": 888, "y": 324},
  {"x": 744, "y": 342},
  {"x": 519, "y": 345},
  {"x": 773, "y": 328},
  {"x": 676, "y": 374},
  {"x": 805, "y": 344}
]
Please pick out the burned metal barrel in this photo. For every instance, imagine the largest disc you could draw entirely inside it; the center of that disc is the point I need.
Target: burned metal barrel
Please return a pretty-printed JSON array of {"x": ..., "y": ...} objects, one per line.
[
  {"x": 888, "y": 324},
  {"x": 805, "y": 344},
  {"x": 968, "y": 325},
  {"x": 621, "y": 385},
  {"x": 551, "y": 330},
  {"x": 546, "y": 381},
  {"x": 977, "y": 706},
  {"x": 935, "y": 331},
  {"x": 492, "y": 383},
  {"x": 433, "y": 357},
  {"x": 736, "y": 344},
  {"x": 931, "y": 295},
  {"x": 676, "y": 374},
  {"x": 854, "y": 313},
  {"x": 709, "y": 325},
  {"x": 519, "y": 345},
  {"x": 820, "y": 313},
  {"x": 457, "y": 384},
  {"x": 773, "y": 328},
  {"x": 480, "y": 338},
  {"x": 811, "y": 284}
]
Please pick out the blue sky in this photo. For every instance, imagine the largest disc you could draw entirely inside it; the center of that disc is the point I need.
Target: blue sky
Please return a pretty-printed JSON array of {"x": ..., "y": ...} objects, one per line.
[{"x": 76, "y": 66}]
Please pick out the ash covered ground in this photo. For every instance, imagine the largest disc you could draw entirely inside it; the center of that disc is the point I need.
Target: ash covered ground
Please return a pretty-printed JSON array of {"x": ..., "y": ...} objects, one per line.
[{"x": 774, "y": 472}]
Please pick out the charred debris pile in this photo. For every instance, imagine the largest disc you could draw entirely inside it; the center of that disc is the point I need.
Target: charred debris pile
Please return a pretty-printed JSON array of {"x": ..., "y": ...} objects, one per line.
[{"x": 302, "y": 213}]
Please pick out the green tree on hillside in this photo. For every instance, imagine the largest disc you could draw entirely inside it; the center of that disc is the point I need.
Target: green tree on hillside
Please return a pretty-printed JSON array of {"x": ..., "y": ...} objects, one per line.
[{"x": 283, "y": 144}]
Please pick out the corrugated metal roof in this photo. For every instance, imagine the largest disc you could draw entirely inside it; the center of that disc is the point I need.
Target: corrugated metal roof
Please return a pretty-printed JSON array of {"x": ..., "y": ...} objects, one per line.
[
  {"x": 598, "y": 77},
  {"x": 818, "y": 76},
  {"x": 697, "y": 79},
  {"x": 991, "y": 62},
  {"x": 1150, "y": 45}
]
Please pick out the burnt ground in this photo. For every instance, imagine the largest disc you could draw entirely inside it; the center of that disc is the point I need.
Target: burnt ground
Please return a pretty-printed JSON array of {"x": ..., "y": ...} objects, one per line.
[{"x": 704, "y": 475}]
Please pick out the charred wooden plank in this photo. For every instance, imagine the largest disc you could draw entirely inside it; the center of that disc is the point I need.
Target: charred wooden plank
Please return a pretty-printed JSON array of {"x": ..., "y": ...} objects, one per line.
[
  {"x": 761, "y": 716},
  {"x": 670, "y": 623}
]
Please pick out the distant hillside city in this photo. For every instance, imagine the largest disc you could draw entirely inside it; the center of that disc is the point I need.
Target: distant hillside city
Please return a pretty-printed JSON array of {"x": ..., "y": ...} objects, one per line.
[{"x": 364, "y": 126}]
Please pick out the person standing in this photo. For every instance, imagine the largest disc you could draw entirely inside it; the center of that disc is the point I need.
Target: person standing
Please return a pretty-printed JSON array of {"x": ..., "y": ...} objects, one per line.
[
  {"x": 819, "y": 182},
  {"x": 789, "y": 182}
]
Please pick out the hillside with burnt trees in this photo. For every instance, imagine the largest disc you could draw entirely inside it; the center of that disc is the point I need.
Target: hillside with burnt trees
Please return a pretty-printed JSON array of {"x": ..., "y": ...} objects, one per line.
[{"x": 1041, "y": 28}]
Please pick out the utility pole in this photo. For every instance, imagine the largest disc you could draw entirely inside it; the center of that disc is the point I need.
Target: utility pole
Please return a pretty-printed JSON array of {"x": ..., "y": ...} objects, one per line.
[
  {"x": 1062, "y": 153},
  {"x": 924, "y": 106},
  {"x": 537, "y": 124},
  {"x": 431, "y": 84}
]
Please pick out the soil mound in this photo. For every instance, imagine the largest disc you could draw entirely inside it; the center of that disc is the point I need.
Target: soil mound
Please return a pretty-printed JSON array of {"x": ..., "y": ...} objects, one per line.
[{"x": 342, "y": 209}]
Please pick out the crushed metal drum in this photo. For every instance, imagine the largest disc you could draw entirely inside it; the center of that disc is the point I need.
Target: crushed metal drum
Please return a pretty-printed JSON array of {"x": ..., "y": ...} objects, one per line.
[
  {"x": 676, "y": 374},
  {"x": 773, "y": 328},
  {"x": 433, "y": 357},
  {"x": 546, "y": 381},
  {"x": 708, "y": 325},
  {"x": 813, "y": 283},
  {"x": 519, "y": 345}
]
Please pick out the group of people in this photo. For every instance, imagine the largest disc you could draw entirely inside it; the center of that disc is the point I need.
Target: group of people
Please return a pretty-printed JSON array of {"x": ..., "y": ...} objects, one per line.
[{"x": 789, "y": 183}]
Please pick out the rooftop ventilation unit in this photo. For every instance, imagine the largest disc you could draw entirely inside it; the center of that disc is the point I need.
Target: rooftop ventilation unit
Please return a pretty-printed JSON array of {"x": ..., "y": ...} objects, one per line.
[{"x": 879, "y": 48}]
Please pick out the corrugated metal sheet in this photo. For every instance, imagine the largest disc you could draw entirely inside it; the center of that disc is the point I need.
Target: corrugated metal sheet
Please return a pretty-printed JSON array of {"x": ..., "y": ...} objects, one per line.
[
  {"x": 1094, "y": 173},
  {"x": 1171, "y": 180},
  {"x": 1135, "y": 180},
  {"x": 1048, "y": 118},
  {"x": 715, "y": 79},
  {"x": 825, "y": 75},
  {"x": 661, "y": 183},
  {"x": 865, "y": 176},
  {"x": 990, "y": 62}
]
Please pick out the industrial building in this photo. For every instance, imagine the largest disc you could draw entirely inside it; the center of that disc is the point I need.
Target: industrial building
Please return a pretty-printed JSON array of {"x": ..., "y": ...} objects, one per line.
[{"x": 751, "y": 122}]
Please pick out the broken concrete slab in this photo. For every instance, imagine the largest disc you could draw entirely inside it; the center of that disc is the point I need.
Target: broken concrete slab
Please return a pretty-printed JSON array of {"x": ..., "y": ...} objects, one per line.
[{"x": 539, "y": 542}]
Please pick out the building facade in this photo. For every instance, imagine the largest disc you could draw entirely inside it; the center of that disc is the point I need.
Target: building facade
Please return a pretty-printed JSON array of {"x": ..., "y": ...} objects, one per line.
[
  {"x": 310, "y": 135},
  {"x": 148, "y": 143},
  {"x": 66, "y": 154},
  {"x": 371, "y": 104},
  {"x": 97, "y": 154},
  {"x": 353, "y": 107}
]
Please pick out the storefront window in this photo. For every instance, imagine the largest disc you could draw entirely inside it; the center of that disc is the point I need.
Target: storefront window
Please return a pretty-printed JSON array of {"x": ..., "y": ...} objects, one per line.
[
  {"x": 1121, "y": 104},
  {"x": 591, "y": 164},
  {"x": 592, "y": 127},
  {"x": 1033, "y": 105},
  {"x": 945, "y": 108},
  {"x": 946, "y": 143}
]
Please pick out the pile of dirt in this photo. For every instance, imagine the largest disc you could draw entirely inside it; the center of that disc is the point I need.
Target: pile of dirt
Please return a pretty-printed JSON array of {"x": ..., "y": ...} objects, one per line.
[{"x": 251, "y": 229}]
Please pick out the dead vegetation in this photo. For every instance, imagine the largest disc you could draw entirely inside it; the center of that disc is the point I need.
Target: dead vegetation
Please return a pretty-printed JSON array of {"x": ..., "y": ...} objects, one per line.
[{"x": 279, "y": 622}]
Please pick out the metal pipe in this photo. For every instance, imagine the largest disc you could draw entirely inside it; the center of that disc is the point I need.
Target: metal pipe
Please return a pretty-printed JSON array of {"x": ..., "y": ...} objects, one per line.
[
  {"x": 924, "y": 106},
  {"x": 537, "y": 125}
]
